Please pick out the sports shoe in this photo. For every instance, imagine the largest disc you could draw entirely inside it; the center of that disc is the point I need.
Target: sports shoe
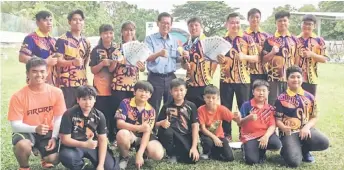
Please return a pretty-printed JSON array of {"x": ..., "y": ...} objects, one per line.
[
  {"x": 172, "y": 159},
  {"x": 123, "y": 162},
  {"x": 262, "y": 159},
  {"x": 308, "y": 157},
  {"x": 204, "y": 156},
  {"x": 46, "y": 165}
]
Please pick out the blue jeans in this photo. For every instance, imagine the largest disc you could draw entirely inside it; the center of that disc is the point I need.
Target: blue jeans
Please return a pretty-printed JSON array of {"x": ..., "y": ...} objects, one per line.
[{"x": 72, "y": 158}]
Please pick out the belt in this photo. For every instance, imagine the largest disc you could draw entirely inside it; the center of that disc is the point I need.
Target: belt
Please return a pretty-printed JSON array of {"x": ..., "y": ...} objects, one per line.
[{"x": 162, "y": 75}]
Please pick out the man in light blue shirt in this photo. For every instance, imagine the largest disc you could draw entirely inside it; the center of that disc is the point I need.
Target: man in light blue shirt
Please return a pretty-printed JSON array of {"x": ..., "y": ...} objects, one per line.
[{"x": 161, "y": 65}]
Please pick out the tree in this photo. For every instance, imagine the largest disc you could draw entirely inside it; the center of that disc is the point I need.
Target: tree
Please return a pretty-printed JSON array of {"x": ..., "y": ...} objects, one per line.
[
  {"x": 332, "y": 29},
  {"x": 212, "y": 14},
  {"x": 269, "y": 25},
  {"x": 96, "y": 13}
]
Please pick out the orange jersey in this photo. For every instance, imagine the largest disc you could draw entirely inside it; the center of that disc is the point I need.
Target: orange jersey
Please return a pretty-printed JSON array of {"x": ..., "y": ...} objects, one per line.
[
  {"x": 213, "y": 121},
  {"x": 36, "y": 108}
]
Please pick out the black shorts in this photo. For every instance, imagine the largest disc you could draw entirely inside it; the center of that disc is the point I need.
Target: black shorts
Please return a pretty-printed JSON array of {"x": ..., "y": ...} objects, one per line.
[{"x": 38, "y": 141}]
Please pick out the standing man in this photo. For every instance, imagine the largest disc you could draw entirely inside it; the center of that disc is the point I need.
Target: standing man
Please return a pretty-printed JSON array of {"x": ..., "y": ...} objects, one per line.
[
  {"x": 200, "y": 71},
  {"x": 254, "y": 30},
  {"x": 280, "y": 52},
  {"x": 74, "y": 52},
  {"x": 41, "y": 44},
  {"x": 235, "y": 74},
  {"x": 314, "y": 52},
  {"x": 161, "y": 64}
]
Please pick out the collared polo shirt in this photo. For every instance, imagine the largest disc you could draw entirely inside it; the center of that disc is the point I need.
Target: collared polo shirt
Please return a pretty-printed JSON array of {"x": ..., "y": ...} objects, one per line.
[
  {"x": 181, "y": 117},
  {"x": 295, "y": 109},
  {"x": 289, "y": 50},
  {"x": 80, "y": 127},
  {"x": 71, "y": 48},
  {"x": 102, "y": 79},
  {"x": 129, "y": 112},
  {"x": 309, "y": 65},
  {"x": 256, "y": 128},
  {"x": 163, "y": 65},
  {"x": 201, "y": 70},
  {"x": 259, "y": 37},
  {"x": 234, "y": 70}
]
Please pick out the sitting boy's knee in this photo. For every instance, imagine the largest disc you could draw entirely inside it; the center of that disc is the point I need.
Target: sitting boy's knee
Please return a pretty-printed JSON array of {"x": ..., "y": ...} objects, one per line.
[
  {"x": 24, "y": 146},
  {"x": 123, "y": 136},
  {"x": 52, "y": 158},
  {"x": 155, "y": 150}
]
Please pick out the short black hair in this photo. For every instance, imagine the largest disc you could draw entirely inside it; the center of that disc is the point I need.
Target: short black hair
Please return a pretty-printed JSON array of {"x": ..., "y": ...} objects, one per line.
[
  {"x": 211, "y": 89},
  {"x": 78, "y": 11},
  {"x": 194, "y": 19},
  {"x": 232, "y": 15},
  {"x": 259, "y": 83},
  {"x": 144, "y": 85},
  {"x": 293, "y": 69},
  {"x": 177, "y": 82},
  {"x": 105, "y": 28},
  {"x": 164, "y": 14},
  {"x": 252, "y": 12},
  {"x": 309, "y": 17},
  {"x": 86, "y": 91},
  {"x": 282, "y": 14},
  {"x": 35, "y": 62},
  {"x": 42, "y": 15}
]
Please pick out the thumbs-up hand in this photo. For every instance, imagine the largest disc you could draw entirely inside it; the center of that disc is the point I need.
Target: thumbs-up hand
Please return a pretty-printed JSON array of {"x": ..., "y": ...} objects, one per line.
[
  {"x": 51, "y": 60},
  {"x": 90, "y": 143},
  {"x": 307, "y": 53},
  {"x": 165, "y": 124}
]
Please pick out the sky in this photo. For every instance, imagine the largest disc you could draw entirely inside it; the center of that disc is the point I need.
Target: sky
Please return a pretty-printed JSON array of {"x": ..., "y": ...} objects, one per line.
[{"x": 265, "y": 6}]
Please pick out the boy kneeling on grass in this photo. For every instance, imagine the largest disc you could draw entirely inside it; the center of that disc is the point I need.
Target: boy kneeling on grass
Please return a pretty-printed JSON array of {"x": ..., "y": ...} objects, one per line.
[
  {"x": 296, "y": 116},
  {"x": 135, "y": 119},
  {"x": 258, "y": 125},
  {"x": 178, "y": 126},
  {"x": 83, "y": 134},
  {"x": 211, "y": 116}
]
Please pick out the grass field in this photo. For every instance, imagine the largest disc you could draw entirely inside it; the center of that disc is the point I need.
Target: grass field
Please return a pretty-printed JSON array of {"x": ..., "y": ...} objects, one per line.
[{"x": 330, "y": 100}]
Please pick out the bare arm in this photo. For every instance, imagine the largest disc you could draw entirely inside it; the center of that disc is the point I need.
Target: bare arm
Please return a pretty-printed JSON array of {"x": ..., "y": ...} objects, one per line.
[
  {"x": 249, "y": 58},
  {"x": 270, "y": 131},
  {"x": 144, "y": 142},
  {"x": 195, "y": 135},
  {"x": 154, "y": 56},
  {"x": 268, "y": 56},
  {"x": 64, "y": 63},
  {"x": 319, "y": 58},
  {"x": 23, "y": 58},
  {"x": 102, "y": 149},
  {"x": 121, "y": 124},
  {"x": 96, "y": 69}
]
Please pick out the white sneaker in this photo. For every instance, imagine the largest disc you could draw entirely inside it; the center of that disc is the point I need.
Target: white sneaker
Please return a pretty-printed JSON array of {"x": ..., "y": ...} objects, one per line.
[
  {"x": 204, "y": 156},
  {"x": 172, "y": 159},
  {"x": 123, "y": 163}
]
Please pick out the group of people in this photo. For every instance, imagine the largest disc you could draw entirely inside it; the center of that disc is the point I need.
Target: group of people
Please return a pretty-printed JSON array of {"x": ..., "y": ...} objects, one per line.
[{"x": 273, "y": 78}]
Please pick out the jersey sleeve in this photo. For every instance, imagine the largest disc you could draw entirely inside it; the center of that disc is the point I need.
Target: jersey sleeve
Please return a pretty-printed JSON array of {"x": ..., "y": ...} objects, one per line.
[
  {"x": 101, "y": 128},
  {"x": 27, "y": 46},
  {"x": 66, "y": 126},
  {"x": 16, "y": 109},
  {"x": 60, "y": 105}
]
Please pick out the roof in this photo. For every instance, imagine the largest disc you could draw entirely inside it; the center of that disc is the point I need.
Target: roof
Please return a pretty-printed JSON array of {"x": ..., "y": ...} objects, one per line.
[{"x": 323, "y": 15}]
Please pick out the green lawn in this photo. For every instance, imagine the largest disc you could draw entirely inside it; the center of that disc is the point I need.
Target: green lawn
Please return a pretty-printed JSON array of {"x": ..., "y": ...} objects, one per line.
[{"x": 330, "y": 100}]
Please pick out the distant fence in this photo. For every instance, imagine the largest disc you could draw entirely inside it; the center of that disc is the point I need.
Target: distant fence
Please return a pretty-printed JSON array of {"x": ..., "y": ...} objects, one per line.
[{"x": 13, "y": 23}]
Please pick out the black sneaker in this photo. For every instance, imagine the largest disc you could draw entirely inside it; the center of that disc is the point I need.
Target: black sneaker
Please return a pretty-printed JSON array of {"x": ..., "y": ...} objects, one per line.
[
  {"x": 308, "y": 157},
  {"x": 262, "y": 159}
]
